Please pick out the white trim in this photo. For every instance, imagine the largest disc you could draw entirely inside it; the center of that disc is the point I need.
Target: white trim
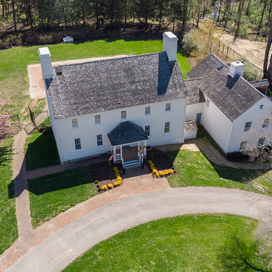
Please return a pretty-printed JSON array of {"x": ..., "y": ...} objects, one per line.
[
  {"x": 76, "y": 150},
  {"x": 165, "y": 127},
  {"x": 102, "y": 140},
  {"x": 170, "y": 107},
  {"x": 99, "y": 119},
  {"x": 76, "y": 122},
  {"x": 149, "y": 111},
  {"x": 123, "y": 119}
]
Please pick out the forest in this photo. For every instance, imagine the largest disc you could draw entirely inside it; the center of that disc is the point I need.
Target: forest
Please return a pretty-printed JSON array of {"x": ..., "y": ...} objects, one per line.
[{"x": 45, "y": 21}]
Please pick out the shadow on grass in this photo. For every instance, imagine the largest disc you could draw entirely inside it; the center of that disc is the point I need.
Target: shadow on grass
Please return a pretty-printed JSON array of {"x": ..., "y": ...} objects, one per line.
[
  {"x": 5, "y": 152},
  {"x": 60, "y": 181},
  {"x": 236, "y": 255}
]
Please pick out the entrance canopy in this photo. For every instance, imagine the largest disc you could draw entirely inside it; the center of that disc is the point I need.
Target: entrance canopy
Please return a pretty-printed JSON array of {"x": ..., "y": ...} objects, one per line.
[{"x": 125, "y": 133}]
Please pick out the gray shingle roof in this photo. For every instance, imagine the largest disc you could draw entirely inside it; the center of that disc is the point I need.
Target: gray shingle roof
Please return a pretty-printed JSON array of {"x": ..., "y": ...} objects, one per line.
[
  {"x": 204, "y": 67},
  {"x": 115, "y": 83},
  {"x": 127, "y": 132},
  {"x": 260, "y": 83},
  {"x": 192, "y": 86},
  {"x": 190, "y": 126},
  {"x": 233, "y": 96}
]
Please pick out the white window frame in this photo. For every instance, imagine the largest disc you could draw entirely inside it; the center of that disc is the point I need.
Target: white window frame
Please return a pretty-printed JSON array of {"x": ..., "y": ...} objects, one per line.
[
  {"x": 208, "y": 103},
  {"x": 79, "y": 143},
  {"x": 246, "y": 129},
  {"x": 261, "y": 107},
  {"x": 126, "y": 114},
  {"x": 97, "y": 123},
  {"x": 102, "y": 140},
  {"x": 266, "y": 123},
  {"x": 148, "y": 107},
  {"x": 243, "y": 145},
  {"x": 148, "y": 130},
  {"x": 168, "y": 105},
  {"x": 166, "y": 128},
  {"x": 260, "y": 145},
  {"x": 73, "y": 121}
]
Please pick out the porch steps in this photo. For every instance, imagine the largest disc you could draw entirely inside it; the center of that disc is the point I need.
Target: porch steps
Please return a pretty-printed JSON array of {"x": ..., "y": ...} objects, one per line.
[{"x": 131, "y": 163}]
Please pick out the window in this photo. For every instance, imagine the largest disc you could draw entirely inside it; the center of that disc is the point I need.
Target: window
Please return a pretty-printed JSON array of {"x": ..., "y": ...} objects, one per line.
[
  {"x": 247, "y": 126},
  {"x": 261, "y": 141},
  {"x": 208, "y": 103},
  {"x": 77, "y": 144},
  {"x": 97, "y": 119},
  {"x": 147, "y": 110},
  {"x": 99, "y": 139},
  {"x": 74, "y": 123},
  {"x": 167, "y": 106},
  {"x": 147, "y": 130},
  {"x": 266, "y": 123},
  {"x": 167, "y": 127},
  {"x": 123, "y": 114},
  {"x": 261, "y": 107},
  {"x": 243, "y": 145}
]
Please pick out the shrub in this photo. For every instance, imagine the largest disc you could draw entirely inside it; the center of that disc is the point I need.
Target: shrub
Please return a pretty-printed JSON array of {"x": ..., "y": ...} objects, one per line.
[
  {"x": 173, "y": 167},
  {"x": 157, "y": 174},
  {"x": 96, "y": 181},
  {"x": 170, "y": 171},
  {"x": 151, "y": 156},
  {"x": 99, "y": 189},
  {"x": 161, "y": 173},
  {"x": 4, "y": 44},
  {"x": 110, "y": 185},
  {"x": 98, "y": 185},
  {"x": 104, "y": 187},
  {"x": 46, "y": 39},
  {"x": 175, "y": 171},
  {"x": 188, "y": 43},
  {"x": 251, "y": 73},
  {"x": 109, "y": 163},
  {"x": 115, "y": 183},
  {"x": 154, "y": 170}
]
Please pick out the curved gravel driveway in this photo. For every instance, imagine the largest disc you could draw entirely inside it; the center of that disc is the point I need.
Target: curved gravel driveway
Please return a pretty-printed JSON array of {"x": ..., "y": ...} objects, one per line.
[{"x": 62, "y": 247}]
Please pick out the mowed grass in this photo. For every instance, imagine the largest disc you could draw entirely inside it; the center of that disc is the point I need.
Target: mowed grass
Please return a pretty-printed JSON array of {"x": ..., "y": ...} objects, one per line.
[
  {"x": 196, "y": 170},
  {"x": 14, "y": 81},
  {"x": 53, "y": 194},
  {"x": 183, "y": 243},
  {"x": 8, "y": 222}
]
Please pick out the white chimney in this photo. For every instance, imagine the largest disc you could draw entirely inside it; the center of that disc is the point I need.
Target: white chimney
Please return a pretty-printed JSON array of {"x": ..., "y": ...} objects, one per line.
[
  {"x": 170, "y": 45},
  {"x": 45, "y": 59},
  {"x": 236, "y": 68}
]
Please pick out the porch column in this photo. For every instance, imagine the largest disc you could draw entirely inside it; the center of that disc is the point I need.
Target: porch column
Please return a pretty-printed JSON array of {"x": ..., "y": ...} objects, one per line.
[
  {"x": 121, "y": 152},
  {"x": 145, "y": 148},
  {"x": 114, "y": 150}
]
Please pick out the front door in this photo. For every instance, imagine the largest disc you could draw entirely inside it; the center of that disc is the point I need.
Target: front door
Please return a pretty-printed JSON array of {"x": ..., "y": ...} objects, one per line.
[{"x": 118, "y": 153}]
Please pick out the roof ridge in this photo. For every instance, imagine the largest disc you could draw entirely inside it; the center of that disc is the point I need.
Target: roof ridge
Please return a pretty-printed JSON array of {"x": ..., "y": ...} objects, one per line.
[{"x": 191, "y": 79}]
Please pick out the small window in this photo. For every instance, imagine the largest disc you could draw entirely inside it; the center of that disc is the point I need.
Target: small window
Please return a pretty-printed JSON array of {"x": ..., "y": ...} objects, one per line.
[
  {"x": 74, "y": 123},
  {"x": 77, "y": 144},
  {"x": 261, "y": 141},
  {"x": 147, "y": 130},
  {"x": 167, "y": 106},
  {"x": 266, "y": 123},
  {"x": 208, "y": 103},
  {"x": 97, "y": 119},
  {"x": 247, "y": 126},
  {"x": 124, "y": 114},
  {"x": 147, "y": 110},
  {"x": 167, "y": 127},
  {"x": 261, "y": 107},
  {"x": 243, "y": 145},
  {"x": 99, "y": 140}
]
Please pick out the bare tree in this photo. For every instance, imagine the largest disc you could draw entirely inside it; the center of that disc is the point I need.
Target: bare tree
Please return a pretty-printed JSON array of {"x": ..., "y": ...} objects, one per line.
[{"x": 267, "y": 69}]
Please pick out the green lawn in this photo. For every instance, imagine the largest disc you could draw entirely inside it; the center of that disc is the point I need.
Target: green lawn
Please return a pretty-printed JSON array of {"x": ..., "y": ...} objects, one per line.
[
  {"x": 8, "y": 222},
  {"x": 53, "y": 194},
  {"x": 196, "y": 170},
  {"x": 183, "y": 243},
  {"x": 14, "y": 81}
]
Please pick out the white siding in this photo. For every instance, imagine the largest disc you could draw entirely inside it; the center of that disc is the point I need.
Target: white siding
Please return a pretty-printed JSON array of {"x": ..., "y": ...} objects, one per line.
[
  {"x": 217, "y": 124},
  {"x": 190, "y": 135},
  {"x": 193, "y": 110},
  {"x": 254, "y": 115},
  {"x": 88, "y": 130}
]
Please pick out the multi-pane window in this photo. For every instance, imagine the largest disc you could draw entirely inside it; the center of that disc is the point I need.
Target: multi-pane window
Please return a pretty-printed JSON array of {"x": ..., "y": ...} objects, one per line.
[
  {"x": 74, "y": 123},
  {"x": 261, "y": 141},
  {"x": 147, "y": 130},
  {"x": 243, "y": 145},
  {"x": 247, "y": 126},
  {"x": 167, "y": 127},
  {"x": 208, "y": 103},
  {"x": 266, "y": 123},
  {"x": 167, "y": 106},
  {"x": 261, "y": 107},
  {"x": 123, "y": 114},
  {"x": 77, "y": 144},
  {"x": 99, "y": 140},
  {"x": 97, "y": 119},
  {"x": 147, "y": 110}
]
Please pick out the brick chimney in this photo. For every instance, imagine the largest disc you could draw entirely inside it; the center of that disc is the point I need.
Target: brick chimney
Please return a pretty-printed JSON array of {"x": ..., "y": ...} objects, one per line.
[
  {"x": 45, "y": 59},
  {"x": 170, "y": 45},
  {"x": 236, "y": 68}
]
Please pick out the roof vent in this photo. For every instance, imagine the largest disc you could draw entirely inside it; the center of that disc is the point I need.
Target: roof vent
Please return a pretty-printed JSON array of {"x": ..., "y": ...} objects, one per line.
[
  {"x": 59, "y": 70},
  {"x": 219, "y": 67},
  {"x": 236, "y": 68}
]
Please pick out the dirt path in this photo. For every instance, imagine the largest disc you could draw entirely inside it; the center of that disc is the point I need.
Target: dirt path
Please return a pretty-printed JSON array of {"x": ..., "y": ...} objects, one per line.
[
  {"x": 213, "y": 154},
  {"x": 253, "y": 50}
]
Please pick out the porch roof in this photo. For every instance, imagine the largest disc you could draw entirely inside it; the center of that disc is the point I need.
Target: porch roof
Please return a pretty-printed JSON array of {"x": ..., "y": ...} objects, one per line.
[{"x": 127, "y": 132}]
